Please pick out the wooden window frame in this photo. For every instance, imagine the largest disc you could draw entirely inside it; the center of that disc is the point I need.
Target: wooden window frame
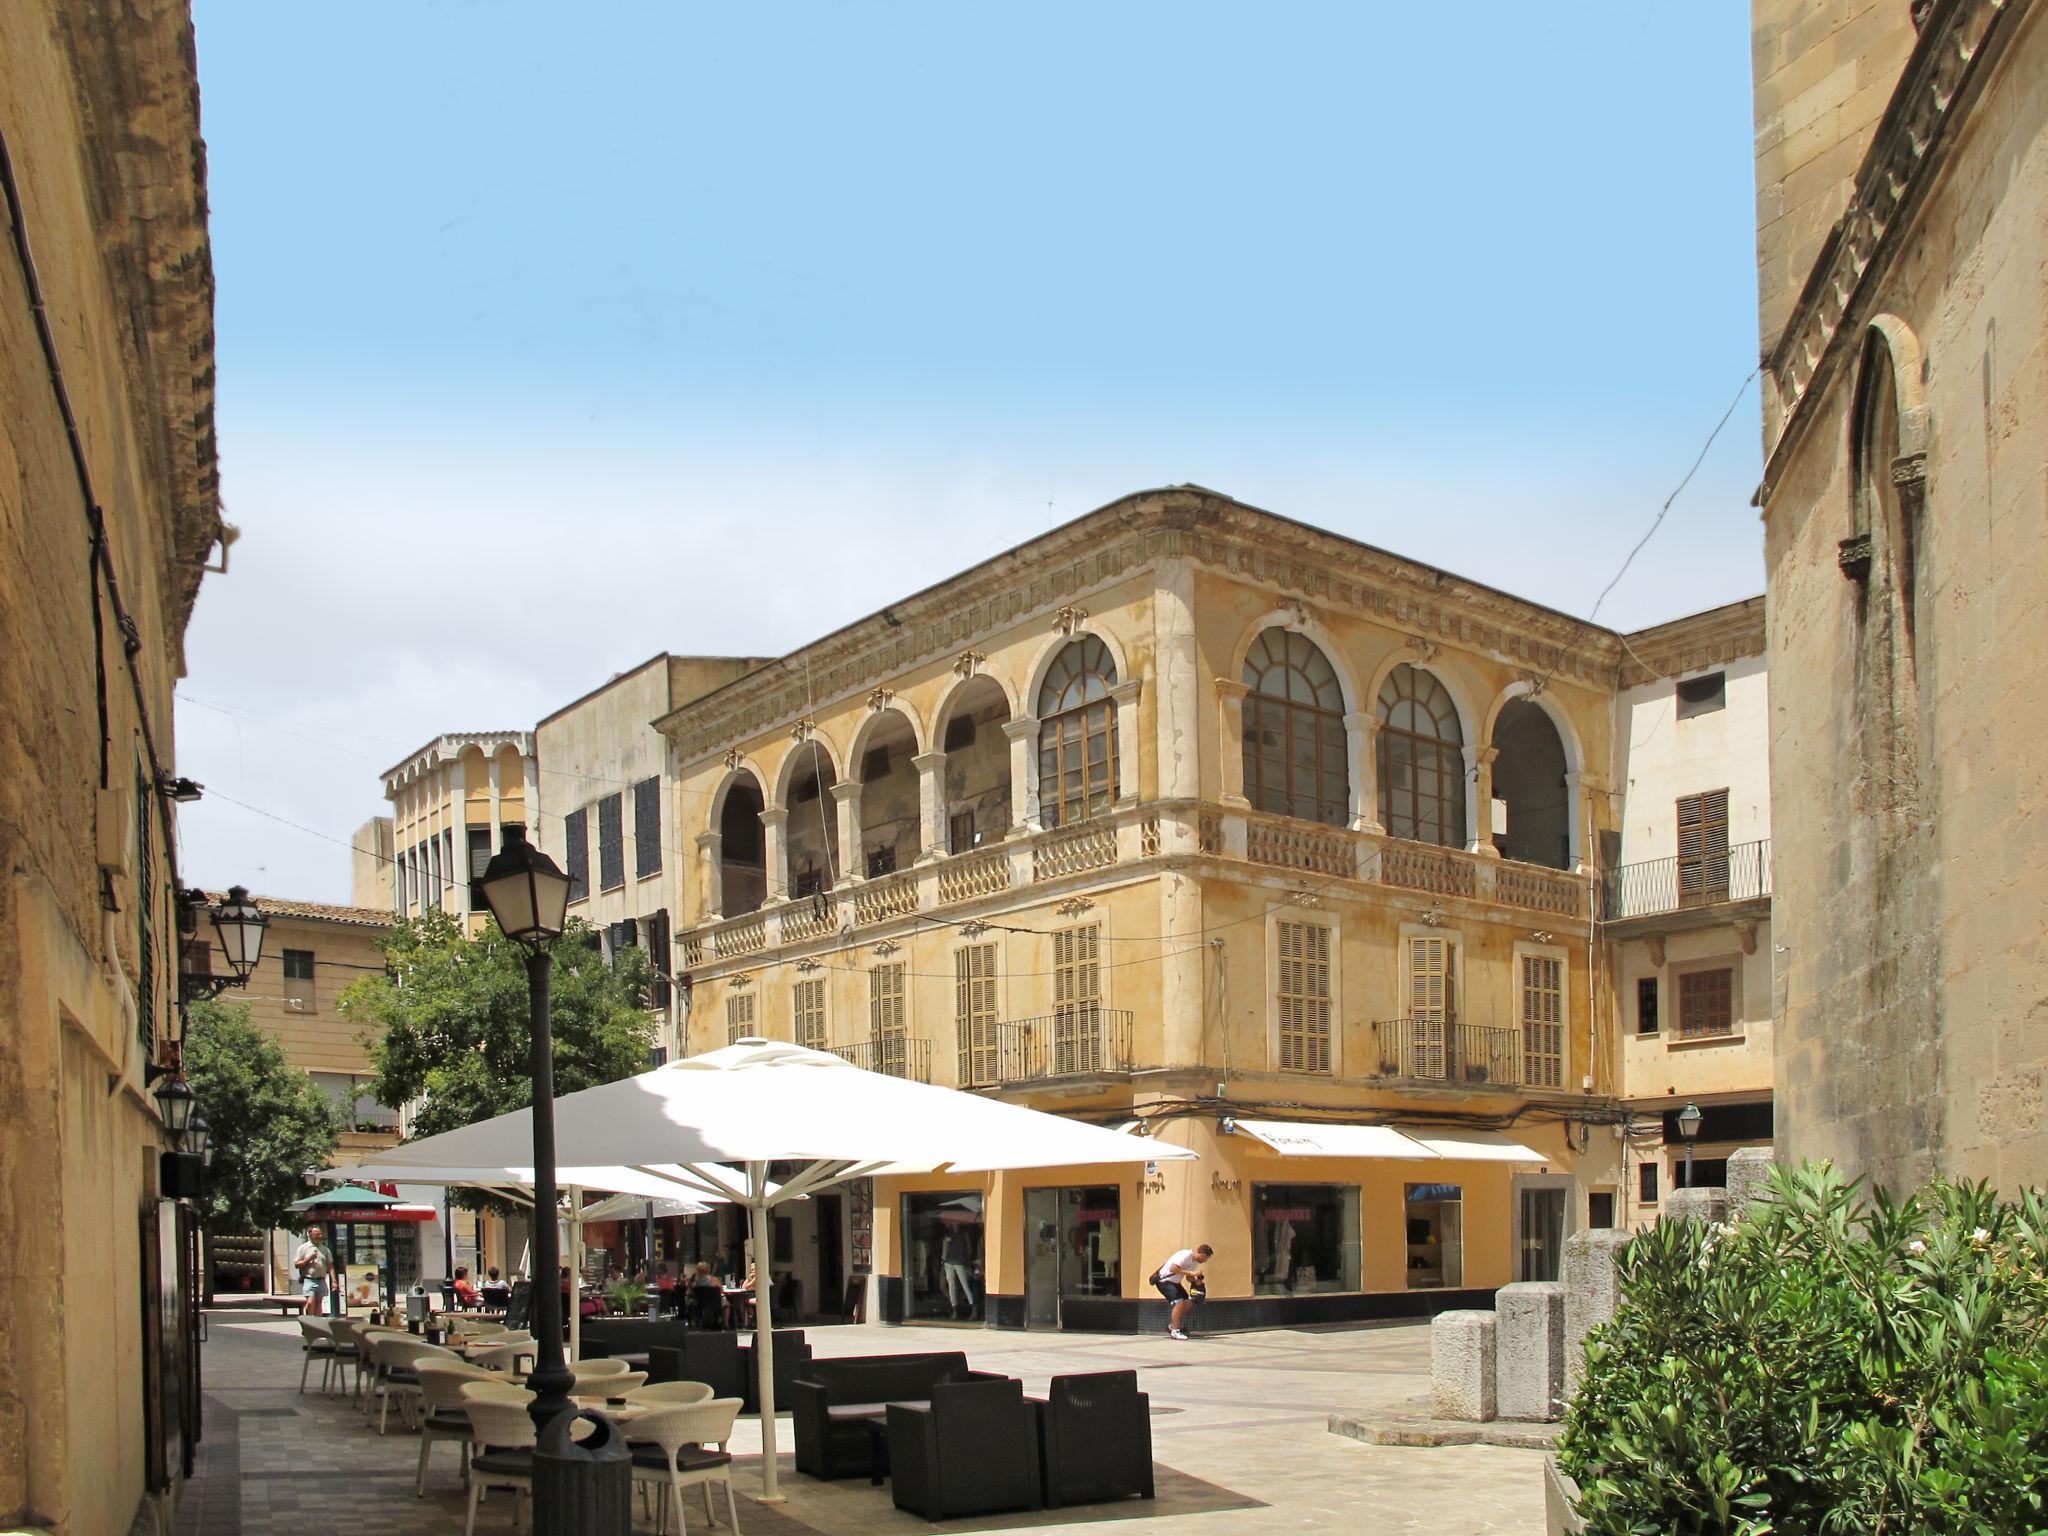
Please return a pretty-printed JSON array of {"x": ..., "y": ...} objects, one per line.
[
  {"x": 1688, "y": 982},
  {"x": 1308, "y": 778},
  {"x": 611, "y": 843},
  {"x": 975, "y": 1015},
  {"x": 1067, "y": 736},
  {"x": 1077, "y": 1036},
  {"x": 739, "y": 1016},
  {"x": 1545, "y": 1041},
  {"x": 1649, "y": 988},
  {"x": 1441, "y": 786},
  {"x": 889, "y": 1017},
  {"x": 647, "y": 828},
  {"x": 808, "y": 1025},
  {"x": 1304, "y": 993},
  {"x": 1703, "y": 848},
  {"x": 1431, "y": 1045}
]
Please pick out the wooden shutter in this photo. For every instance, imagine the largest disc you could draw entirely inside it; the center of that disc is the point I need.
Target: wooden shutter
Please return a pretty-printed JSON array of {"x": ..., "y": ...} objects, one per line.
[
  {"x": 1703, "y": 848},
  {"x": 809, "y": 1014},
  {"x": 576, "y": 838},
  {"x": 1077, "y": 999},
  {"x": 611, "y": 843},
  {"x": 1432, "y": 1000},
  {"x": 974, "y": 992},
  {"x": 1542, "y": 1021},
  {"x": 739, "y": 1016},
  {"x": 647, "y": 828},
  {"x": 1706, "y": 1003},
  {"x": 1304, "y": 997}
]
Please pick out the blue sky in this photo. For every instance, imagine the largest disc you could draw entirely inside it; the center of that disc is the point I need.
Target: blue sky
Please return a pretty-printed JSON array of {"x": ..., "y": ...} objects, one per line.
[{"x": 710, "y": 328}]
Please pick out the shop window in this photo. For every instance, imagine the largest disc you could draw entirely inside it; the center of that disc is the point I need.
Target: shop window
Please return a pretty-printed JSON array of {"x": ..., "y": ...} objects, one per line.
[
  {"x": 1646, "y": 1005},
  {"x": 1706, "y": 1003},
  {"x": 1091, "y": 1241},
  {"x": 974, "y": 1013},
  {"x": 1304, "y": 996},
  {"x": 298, "y": 979},
  {"x": 1646, "y": 1184},
  {"x": 1435, "y": 1219},
  {"x": 809, "y": 1014},
  {"x": 942, "y": 1257},
  {"x": 1305, "y": 1239},
  {"x": 1542, "y": 1021}
]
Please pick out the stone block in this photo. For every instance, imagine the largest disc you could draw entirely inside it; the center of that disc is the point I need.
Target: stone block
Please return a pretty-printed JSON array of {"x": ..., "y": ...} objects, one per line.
[
  {"x": 1749, "y": 1177},
  {"x": 1561, "y": 1515},
  {"x": 1707, "y": 1203},
  {"x": 1529, "y": 1350},
  {"x": 1591, "y": 1292},
  {"x": 1461, "y": 1365}
]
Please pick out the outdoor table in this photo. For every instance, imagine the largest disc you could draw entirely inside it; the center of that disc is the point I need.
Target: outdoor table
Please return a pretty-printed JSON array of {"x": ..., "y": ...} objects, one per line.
[{"x": 876, "y": 1417}]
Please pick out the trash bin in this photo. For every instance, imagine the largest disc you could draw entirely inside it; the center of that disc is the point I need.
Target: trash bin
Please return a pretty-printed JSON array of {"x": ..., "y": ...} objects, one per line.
[
  {"x": 418, "y": 1308},
  {"x": 582, "y": 1487}
]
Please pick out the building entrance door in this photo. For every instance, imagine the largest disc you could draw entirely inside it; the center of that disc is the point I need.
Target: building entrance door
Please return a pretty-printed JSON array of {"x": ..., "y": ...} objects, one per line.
[
  {"x": 1041, "y": 1258},
  {"x": 831, "y": 1246},
  {"x": 1542, "y": 1255}
]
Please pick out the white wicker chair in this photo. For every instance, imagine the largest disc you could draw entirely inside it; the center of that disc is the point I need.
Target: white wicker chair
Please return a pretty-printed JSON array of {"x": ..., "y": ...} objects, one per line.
[
  {"x": 670, "y": 1394},
  {"x": 443, "y": 1418},
  {"x": 503, "y": 1453},
  {"x": 671, "y": 1450},
  {"x": 316, "y": 1342}
]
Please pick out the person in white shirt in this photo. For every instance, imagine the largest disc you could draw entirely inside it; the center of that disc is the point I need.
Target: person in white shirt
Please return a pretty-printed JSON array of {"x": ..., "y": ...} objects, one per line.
[
  {"x": 1172, "y": 1280},
  {"x": 314, "y": 1262}
]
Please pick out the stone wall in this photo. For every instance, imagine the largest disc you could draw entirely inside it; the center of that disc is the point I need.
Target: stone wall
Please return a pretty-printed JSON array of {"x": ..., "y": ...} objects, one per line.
[{"x": 1911, "y": 855}]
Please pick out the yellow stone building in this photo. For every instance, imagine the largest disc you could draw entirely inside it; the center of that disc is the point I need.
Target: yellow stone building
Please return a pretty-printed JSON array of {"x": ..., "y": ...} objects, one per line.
[
  {"x": 110, "y": 508},
  {"x": 450, "y": 804},
  {"x": 1278, "y": 845}
]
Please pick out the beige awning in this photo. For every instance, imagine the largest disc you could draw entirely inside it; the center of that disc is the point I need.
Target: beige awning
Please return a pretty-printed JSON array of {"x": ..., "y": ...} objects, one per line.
[
  {"x": 1302, "y": 1138},
  {"x": 1478, "y": 1147}
]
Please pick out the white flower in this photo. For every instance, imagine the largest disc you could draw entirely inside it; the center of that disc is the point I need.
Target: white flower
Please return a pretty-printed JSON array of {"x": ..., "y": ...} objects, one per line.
[
  {"x": 1980, "y": 1237},
  {"x": 1916, "y": 1246}
]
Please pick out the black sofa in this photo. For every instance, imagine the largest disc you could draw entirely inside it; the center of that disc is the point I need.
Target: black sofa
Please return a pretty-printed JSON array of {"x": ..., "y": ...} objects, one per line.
[
  {"x": 712, "y": 1358},
  {"x": 832, "y": 1439},
  {"x": 973, "y": 1451},
  {"x": 1094, "y": 1438},
  {"x": 792, "y": 1358},
  {"x": 607, "y": 1336}
]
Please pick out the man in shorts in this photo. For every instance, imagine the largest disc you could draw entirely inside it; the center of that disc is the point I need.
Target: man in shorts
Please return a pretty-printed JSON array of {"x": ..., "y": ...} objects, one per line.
[
  {"x": 1173, "y": 1280},
  {"x": 314, "y": 1262}
]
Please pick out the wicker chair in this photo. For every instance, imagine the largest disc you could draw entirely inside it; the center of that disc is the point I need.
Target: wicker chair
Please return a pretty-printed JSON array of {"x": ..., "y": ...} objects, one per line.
[
  {"x": 670, "y": 1394},
  {"x": 503, "y": 1454},
  {"x": 672, "y": 1450},
  {"x": 443, "y": 1418},
  {"x": 316, "y": 1341}
]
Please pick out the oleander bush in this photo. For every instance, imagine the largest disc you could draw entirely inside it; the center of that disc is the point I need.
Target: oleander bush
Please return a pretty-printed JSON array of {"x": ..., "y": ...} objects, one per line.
[{"x": 1830, "y": 1362}]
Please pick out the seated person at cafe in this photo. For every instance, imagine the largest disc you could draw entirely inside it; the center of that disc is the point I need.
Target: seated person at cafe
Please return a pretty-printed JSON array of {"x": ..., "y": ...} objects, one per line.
[{"x": 467, "y": 1295}]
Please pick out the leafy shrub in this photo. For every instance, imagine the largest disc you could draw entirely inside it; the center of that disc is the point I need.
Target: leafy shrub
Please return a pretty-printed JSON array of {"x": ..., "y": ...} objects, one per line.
[{"x": 1828, "y": 1363}]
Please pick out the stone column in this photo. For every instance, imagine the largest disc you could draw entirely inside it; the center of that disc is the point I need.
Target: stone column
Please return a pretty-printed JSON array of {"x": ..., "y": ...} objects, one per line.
[
  {"x": 852, "y": 865},
  {"x": 1575, "y": 786},
  {"x": 1529, "y": 1366},
  {"x": 1362, "y": 742},
  {"x": 497, "y": 775},
  {"x": 1176, "y": 679},
  {"x": 1125, "y": 695},
  {"x": 1230, "y": 699},
  {"x": 775, "y": 852},
  {"x": 710, "y": 849},
  {"x": 931, "y": 805},
  {"x": 1461, "y": 1365},
  {"x": 1482, "y": 794},
  {"x": 1749, "y": 1177},
  {"x": 1591, "y": 1293},
  {"x": 1023, "y": 735}
]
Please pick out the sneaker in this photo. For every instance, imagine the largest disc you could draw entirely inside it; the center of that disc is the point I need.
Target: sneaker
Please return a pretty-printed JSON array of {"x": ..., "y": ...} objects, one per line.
[{"x": 1175, "y": 1333}]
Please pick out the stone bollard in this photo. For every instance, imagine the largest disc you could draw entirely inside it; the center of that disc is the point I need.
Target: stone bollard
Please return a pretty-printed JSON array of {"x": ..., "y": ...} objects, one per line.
[
  {"x": 1461, "y": 1365},
  {"x": 1529, "y": 1350},
  {"x": 1591, "y": 1293},
  {"x": 1707, "y": 1203},
  {"x": 1749, "y": 1177}
]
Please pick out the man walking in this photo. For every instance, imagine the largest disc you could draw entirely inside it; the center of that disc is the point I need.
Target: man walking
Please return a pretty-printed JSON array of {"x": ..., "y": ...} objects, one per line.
[
  {"x": 1174, "y": 1279},
  {"x": 314, "y": 1262}
]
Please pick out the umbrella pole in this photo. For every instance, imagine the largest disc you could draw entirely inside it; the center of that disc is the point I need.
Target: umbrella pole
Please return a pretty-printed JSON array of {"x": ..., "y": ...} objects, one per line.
[
  {"x": 764, "y": 1330},
  {"x": 575, "y": 1274}
]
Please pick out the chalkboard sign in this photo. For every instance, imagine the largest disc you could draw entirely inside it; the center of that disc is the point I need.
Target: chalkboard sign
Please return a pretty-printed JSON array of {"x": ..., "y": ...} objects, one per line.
[
  {"x": 855, "y": 1301},
  {"x": 519, "y": 1308}
]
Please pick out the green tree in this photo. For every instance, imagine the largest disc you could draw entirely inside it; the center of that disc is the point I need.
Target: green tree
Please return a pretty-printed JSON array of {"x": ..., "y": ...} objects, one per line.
[
  {"x": 269, "y": 1122},
  {"x": 448, "y": 1030}
]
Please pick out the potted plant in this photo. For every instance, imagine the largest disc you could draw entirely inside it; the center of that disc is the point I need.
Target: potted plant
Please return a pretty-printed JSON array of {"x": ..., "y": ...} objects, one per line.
[{"x": 626, "y": 1297}]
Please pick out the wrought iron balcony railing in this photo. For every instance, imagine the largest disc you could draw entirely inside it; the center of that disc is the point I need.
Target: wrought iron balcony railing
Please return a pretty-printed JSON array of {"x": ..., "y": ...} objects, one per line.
[
  {"x": 1072, "y": 1042},
  {"x": 1654, "y": 886},
  {"x": 895, "y": 1055},
  {"x": 1430, "y": 1051}
]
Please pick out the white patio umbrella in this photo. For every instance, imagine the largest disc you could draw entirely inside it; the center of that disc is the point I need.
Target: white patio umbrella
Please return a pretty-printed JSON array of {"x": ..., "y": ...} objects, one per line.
[
  {"x": 756, "y": 1102},
  {"x": 634, "y": 1186}
]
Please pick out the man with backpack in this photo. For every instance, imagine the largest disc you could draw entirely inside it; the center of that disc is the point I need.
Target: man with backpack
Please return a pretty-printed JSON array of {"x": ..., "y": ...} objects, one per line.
[{"x": 1180, "y": 1281}]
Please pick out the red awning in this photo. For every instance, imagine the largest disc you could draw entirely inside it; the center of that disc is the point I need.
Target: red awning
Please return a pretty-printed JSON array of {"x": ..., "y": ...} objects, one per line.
[{"x": 375, "y": 1215}]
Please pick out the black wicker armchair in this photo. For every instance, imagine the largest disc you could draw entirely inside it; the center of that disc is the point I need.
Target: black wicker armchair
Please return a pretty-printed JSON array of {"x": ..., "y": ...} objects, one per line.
[
  {"x": 1095, "y": 1437},
  {"x": 974, "y": 1451}
]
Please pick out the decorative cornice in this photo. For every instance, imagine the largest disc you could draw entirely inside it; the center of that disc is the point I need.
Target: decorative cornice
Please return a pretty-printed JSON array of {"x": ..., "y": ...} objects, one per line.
[
  {"x": 1304, "y": 564},
  {"x": 1957, "y": 45},
  {"x": 1714, "y": 638}
]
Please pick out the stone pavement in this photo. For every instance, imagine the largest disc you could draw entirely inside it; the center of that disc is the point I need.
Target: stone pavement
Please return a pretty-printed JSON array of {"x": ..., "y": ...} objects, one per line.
[{"x": 1239, "y": 1434}]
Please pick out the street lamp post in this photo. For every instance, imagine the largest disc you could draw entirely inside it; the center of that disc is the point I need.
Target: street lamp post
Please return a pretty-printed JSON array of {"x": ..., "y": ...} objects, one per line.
[
  {"x": 1689, "y": 1127},
  {"x": 529, "y": 896}
]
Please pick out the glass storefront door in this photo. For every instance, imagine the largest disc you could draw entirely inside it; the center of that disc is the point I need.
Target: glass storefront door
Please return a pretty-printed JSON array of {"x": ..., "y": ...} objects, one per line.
[
  {"x": 1091, "y": 1241},
  {"x": 1435, "y": 1218},
  {"x": 1041, "y": 1258},
  {"x": 943, "y": 1245}
]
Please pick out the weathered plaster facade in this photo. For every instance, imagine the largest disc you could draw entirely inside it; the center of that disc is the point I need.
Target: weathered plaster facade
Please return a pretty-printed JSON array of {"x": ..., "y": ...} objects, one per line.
[
  {"x": 99, "y": 113},
  {"x": 450, "y": 804},
  {"x": 1905, "y": 507},
  {"x": 917, "y": 942}
]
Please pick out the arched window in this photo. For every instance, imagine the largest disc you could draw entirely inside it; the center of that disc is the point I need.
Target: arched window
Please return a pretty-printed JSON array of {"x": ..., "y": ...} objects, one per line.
[
  {"x": 1294, "y": 754},
  {"x": 1077, "y": 734},
  {"x": 1421, "y": 760}
]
